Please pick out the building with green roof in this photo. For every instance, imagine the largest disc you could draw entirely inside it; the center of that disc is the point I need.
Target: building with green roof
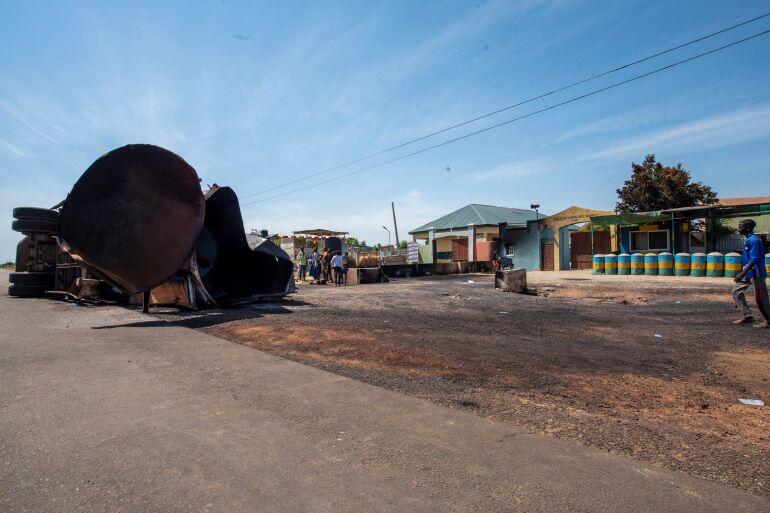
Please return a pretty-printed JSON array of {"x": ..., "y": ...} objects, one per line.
[
  {"x": 450, "y": 236},
  {"x": 480, "y": 216}
]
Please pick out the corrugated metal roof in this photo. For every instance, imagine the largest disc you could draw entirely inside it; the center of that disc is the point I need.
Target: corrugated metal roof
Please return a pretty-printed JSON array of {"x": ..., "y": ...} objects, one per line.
[
  {"x": 480, "y": 215},
  {"x": 320, "y": 232},
  {"x": 734, "y": 202},
  {"x": 731, "y": 207}
]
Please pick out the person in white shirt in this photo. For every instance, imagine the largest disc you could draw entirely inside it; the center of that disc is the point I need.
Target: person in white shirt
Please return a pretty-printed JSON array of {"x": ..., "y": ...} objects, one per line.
[{"x": 337, "y": 268}]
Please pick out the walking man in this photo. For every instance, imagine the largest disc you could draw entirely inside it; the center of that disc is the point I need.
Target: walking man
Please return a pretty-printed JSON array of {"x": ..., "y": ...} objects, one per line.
[
  {"x": 302, "y": 259},
  {"x": 753, "y": 272},
  {"x": 337, "y": 267}
]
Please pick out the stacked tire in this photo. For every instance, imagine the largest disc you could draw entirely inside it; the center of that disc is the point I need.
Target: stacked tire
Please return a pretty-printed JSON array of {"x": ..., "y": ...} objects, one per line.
[{"x": 34, "y": 269}]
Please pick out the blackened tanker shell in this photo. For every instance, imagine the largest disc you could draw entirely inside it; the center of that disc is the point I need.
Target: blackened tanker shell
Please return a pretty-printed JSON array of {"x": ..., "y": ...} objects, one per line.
[{"x": 134, "y": 216}]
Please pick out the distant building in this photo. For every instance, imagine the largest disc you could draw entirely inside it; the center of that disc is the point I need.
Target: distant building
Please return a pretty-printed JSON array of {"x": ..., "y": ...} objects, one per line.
[
  {"x": 523, "y": 238},
  {"x": 569, "y": 241},
  {"x": 473, "y": 233}
]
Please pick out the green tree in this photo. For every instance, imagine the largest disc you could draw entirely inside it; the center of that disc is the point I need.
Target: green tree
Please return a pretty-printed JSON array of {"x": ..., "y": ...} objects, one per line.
[
  {"x": 352, "y": 241},
  {"x": 403, "y": 244},
  {"x": 653, "y": 186}
]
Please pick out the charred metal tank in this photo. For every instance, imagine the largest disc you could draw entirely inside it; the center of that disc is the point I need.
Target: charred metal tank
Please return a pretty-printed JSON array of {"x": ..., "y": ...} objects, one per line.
[
  {"x": 231, "y": 270},
  {"x": 138, "y": 220},
  {"x": 134, "y": 216}
]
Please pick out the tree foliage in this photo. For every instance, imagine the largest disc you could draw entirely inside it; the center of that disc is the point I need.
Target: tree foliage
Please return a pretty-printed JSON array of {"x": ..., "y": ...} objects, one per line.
[{"x": 653, "y": 186}]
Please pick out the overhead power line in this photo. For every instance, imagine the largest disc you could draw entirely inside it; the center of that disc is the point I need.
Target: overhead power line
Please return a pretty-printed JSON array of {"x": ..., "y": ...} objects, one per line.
[
  {"x": 509, "y": 107},
  {"x": 530, "y": 114}
]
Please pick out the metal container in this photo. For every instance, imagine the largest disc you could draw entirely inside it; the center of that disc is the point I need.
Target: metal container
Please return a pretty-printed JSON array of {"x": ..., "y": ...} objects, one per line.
[
  {"x": 637, "y": 263},
  {"x": 610, "y": 264},
  {"x": 624, "y": 263},
  {"x": 134, "y": 216},
  {"x": 715, "y": 265},
  {"x": 698, "y": 264},
  {"x": 597, "y": 266},
  {"x": 665, "y": 264},
  {"x": 651, "y": 264},
  {"x": 232, "y": 269},
  {"x": 733, "y": 264},
  {"x": 682, "y": 264}
]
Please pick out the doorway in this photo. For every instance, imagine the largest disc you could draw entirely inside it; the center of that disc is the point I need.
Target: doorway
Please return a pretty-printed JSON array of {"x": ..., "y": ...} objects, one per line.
[
  {"x": 460, "y": 250},
  {"x": 580, "y": 247},
  {"x": 547, "y": 260}
]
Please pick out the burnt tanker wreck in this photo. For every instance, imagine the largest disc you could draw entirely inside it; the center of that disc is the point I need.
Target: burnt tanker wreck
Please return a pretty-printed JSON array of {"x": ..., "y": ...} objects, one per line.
[{"x": 137, "y": 227}]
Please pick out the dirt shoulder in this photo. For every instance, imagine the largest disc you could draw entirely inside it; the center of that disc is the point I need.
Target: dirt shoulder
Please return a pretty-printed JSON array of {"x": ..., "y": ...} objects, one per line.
[{"x": 646, "y": 369}]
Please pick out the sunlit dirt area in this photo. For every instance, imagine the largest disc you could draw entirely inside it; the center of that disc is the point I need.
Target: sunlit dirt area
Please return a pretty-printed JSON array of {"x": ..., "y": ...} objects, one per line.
[{"x": 648, "y": 368}]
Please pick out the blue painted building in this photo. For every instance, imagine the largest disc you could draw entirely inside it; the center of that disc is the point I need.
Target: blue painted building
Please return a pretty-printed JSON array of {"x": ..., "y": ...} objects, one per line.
[{"x": 698, "y": 229}]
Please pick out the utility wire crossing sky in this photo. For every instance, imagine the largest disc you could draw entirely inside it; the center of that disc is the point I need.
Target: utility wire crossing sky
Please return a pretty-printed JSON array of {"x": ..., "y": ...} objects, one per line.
[
  {"x": 524, "y": 102},
  {"x": 560, "y": 104}
]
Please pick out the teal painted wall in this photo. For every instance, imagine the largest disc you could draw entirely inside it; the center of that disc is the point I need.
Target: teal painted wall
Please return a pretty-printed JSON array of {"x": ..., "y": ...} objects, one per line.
[
  {"x": 527, "y": 246},
  {"x": 565, "y": 253}
]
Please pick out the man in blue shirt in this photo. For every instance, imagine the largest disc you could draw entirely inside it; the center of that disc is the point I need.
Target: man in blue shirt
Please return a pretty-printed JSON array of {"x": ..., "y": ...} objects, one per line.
[{"x": 753, "y": 271}]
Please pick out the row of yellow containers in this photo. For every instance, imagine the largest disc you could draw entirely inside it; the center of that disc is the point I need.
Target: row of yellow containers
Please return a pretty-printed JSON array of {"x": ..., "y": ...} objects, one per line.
[{"x": 665, "y": 264}]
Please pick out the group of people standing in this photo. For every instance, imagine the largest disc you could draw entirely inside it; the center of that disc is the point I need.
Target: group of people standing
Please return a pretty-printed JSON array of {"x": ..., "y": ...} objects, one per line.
[{"x": 324, "y": 267}]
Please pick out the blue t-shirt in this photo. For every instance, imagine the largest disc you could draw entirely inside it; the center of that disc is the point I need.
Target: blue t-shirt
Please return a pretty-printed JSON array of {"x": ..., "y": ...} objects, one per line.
[{"x": 754, "y": 251}]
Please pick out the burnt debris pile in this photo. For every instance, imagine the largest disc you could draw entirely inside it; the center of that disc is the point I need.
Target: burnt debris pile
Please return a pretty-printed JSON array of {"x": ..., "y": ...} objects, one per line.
[{"x": 137, "y": 226}]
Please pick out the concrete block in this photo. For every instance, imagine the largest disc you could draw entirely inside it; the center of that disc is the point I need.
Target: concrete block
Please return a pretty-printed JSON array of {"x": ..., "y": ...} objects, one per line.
[
  {"x": 361, "y": 275},
  {"x": 511, "y": 280}
]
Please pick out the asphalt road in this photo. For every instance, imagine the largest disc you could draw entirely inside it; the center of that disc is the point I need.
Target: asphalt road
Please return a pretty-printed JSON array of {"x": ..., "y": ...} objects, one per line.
[{"x": 104, "y": 409}]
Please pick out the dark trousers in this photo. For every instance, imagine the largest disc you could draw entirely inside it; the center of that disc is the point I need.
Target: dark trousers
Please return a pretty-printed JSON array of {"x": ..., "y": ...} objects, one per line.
[{"x": 760, "y": 295}]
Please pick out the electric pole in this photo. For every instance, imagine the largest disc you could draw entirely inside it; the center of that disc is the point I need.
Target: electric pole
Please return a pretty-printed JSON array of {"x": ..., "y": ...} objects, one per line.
[{"x": 395, "y": 226}]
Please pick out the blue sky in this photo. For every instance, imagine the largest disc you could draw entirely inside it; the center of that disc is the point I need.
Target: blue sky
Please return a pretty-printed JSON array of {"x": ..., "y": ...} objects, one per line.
[{"x": 257, "y": 94}]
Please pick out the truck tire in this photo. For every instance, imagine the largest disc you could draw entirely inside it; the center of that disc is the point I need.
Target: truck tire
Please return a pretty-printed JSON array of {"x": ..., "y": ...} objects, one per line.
[
  {"x": 34, "y": 226},
  {"x": 40, "y": 214},
  {"x": 26, "y": 291},
  {"x": 22, "y": 255},
  {"x": 32, "y": 279}
]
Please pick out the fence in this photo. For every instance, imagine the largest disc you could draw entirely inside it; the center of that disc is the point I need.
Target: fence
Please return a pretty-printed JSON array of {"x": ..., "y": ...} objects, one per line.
[{"x": 728, "y": 243}]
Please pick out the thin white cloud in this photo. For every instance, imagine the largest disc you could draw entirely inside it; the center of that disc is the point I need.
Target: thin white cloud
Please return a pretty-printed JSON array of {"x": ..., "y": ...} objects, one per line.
[
  {"x": 13, "y": 149},
  {"x": 629, "y": 120},
  {"x": 422, "y": 57},
  {"x": 716, "y": 131},
  {"x": 515, "y": 169},
  {"x": 293, "y": 67},
  {"x": 597, "y": 127},
  {"x": 27, "y": 120}
]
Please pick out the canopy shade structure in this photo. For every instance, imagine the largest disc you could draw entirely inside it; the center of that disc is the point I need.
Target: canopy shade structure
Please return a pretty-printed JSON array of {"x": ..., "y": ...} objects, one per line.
[
  {"x": 320, "y": 232},
  {"x": 717, "y": 210},
  {"x": 629, "y": 219}
]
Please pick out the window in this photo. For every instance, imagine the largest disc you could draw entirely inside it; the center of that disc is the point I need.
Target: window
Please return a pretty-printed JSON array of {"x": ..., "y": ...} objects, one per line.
[
  {"x": 697, "y": 239},
  {"x": 509, "y": 249},
  {"x": 651, "y": 240}
]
